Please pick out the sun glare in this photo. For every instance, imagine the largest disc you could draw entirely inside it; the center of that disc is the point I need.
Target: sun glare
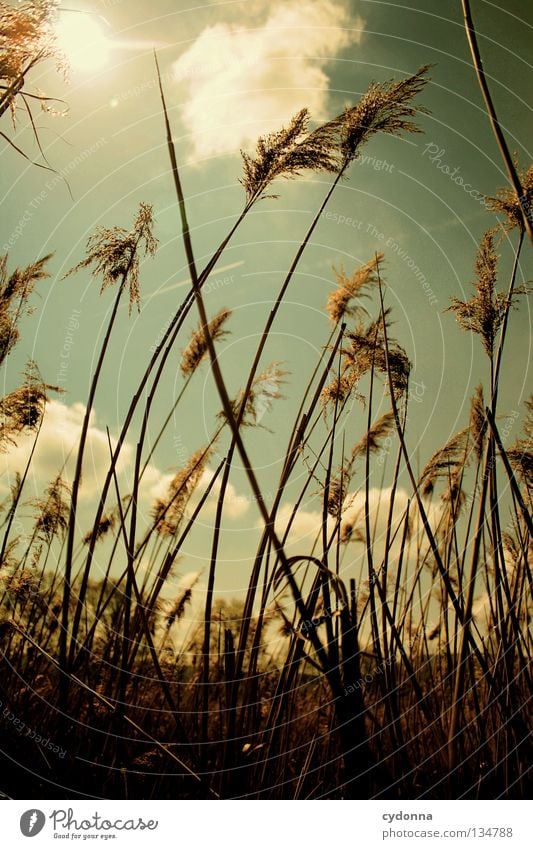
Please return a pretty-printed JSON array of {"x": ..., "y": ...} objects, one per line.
[{"x": 83, "y": 41}]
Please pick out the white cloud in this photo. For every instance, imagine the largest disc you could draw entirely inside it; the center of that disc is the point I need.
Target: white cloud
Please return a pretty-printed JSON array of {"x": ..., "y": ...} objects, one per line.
[
  {"x": 307, "y": 525},
  {"x": 56, "y": 451},
  {"x": 379, "y": 504},
  {"x": 304, "y": 527},
  {"x": 243, "y": 82},
  {"x": 235, "y": 505}
]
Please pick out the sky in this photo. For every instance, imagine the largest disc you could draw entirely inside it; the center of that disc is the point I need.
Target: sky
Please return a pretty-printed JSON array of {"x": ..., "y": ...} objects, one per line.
[{"x": 232, "y": 71}]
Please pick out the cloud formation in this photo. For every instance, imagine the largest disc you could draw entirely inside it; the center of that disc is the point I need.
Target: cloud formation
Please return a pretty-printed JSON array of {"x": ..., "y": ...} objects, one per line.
[
  {"x": 308, "y": 523},
  {"x": 235, "y": 505},
  {"x": 56, "y": 452},
  {"x": 241, "y": 82}
]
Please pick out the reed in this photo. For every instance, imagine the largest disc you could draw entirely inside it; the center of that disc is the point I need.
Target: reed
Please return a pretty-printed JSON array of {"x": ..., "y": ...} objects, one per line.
[{"x": 368, "y": 664}]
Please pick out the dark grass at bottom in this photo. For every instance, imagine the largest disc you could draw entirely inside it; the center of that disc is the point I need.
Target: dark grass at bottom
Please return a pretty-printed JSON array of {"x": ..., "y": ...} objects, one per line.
[{"x": 102, "y": 765}]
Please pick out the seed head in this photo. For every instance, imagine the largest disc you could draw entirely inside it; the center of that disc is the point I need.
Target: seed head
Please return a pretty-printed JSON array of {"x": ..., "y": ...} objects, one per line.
[
  {"x": 521, "y": 453},
  {"x": 484, "y": 312},
  {"x": 444, "y": 461},
  {"x": 348, "y": 288},
  {"x": 52, "y": 519},
  {"x": 288, "y": 152},
  {"x": 507, "y": 202},
  {"x": 386, "y": 108},
  {"x": 15, "y": 290},
  {"x": 24, "y": 407},
  {"x": 114, "y": 253},
  {"x": 196, "y": 350},
  {"x": 168, "y": 512}
]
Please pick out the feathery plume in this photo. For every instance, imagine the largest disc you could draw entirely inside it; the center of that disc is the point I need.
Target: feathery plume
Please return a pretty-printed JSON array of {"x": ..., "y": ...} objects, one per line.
[
  {"x": 484, "y": 312},
  {"x": 367, "y": 351},
  {"x": 263, "y": 392},
  {"x": 339, "y": 389},
  {"x": 453, "y": 497},
  {"x": 196, "y": 350},
  {"x": 15, "y": 290},
  {"x": 168, "y": 512},
  {"x": 21, "y": 584},
  {"x": 443, "y": 462},
  {"x": 336, "y": 495},
  {"x": 386, "y": 108},
  {"x": 510, "y": 545},
  {"x": 339, "y": 485},
  {"x": 478, "y": 421},
  {"x": 24, "y": 407},
  {"x": 11, "y": 501},
  {"x": 348, "y": 288},
  {"x": 52, "y": 520},
  {"x": 521, "y": 453},
  {"x": 115, "y": 253},
  {"x": 349, "y": 533},
  {"x": 372, "y": 438},
  {"x": 288, "y": 152},
  {"x": 176, "y": 609},
  {"x": 11, "y": 558},
  {"x": 26, "y": 37},
  {"x": 106, "y": 524},
  {"x": 507, "y": 202}
]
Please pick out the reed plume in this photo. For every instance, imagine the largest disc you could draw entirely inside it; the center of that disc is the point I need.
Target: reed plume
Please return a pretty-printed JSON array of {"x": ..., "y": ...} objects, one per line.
[
  {"x": 520, "y": 454},
  {"x": 260, "y": 399},
  {"x": 114, "y": 253},
  {"x": 11, "y": 556},
  {"x": 26, "y": 38},
  {"x": 348, "y": 288},
  {"x": 106, "y": 524},
  {"x": 366, "y": 352},
  {"x": 478, "y": 422},
  {"x": 508, "y": 203},
  {"x": 336, "y": 494},
  {"x": 169, "y": 511},
  {"x": 484, "y": 313},
  {"x": 23, "y": 408},
  {"x": 444, "y": 462},
  {"x": 52, "y": 519},
  {"x": 288, "y": 152},
  {"x": 331, "y": 147},
  {"x": 14, "y": 495},
  {"x": 372, "y": 439},
  {"x": 176, "y": 608},
  {"x": 384, "y": 108},
  {"x": 197, "y": 350},
  {"x": 15, "y": 290}
]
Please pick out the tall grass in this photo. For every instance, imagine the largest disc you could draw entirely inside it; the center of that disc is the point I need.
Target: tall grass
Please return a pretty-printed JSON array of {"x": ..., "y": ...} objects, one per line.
[{"x": 402, "y": 671}]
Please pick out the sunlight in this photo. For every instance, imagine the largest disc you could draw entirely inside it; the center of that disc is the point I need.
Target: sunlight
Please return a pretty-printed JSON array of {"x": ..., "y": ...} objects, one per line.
[{"x": 83, "y": 41}]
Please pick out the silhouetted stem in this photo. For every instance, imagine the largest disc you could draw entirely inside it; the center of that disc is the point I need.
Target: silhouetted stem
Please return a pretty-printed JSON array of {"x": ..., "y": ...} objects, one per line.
[{"x": 496, "y": 127}]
